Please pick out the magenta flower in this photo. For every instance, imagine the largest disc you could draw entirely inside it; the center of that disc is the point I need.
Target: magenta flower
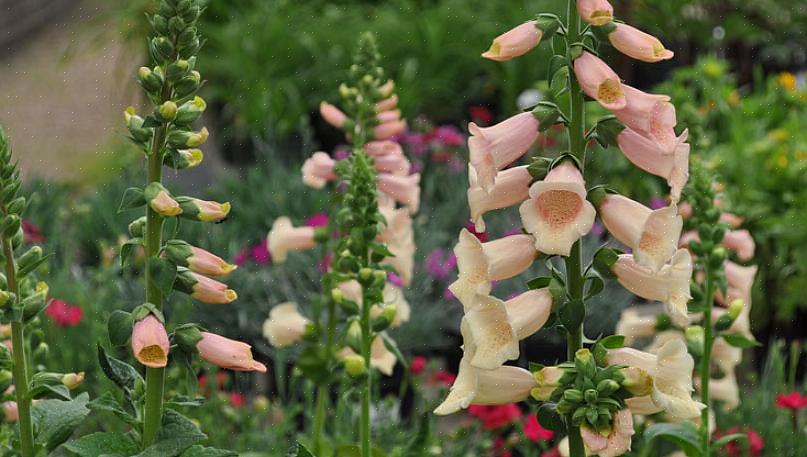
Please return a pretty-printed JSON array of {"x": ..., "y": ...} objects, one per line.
[
  {"x": 394, "y": 279},
  {"x": 317, "y": 220},
  {"x": 448, "y": 135},
  {"x": 440, "y": 264}
]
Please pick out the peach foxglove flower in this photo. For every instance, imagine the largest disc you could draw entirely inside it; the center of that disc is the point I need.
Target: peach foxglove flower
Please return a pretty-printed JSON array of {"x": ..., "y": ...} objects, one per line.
[
  {"x": 378, "y": 149},
  {"x": 389, "y": 129},
  {"x": 671, "y": 370},
  {"x": 284, "y": 238},
  {"x": 476, "y": 386},
  {"x": 637, "y": 44},
  {"x": 599, "y": 81},
  {"x": 633, "y": 325},
  {"x": 228, "y": 354},
  {"x": 495, "y": 147},
  {"x": 512, "y": 186},
  {"x": 389, "y": 116},
  {"x": 670, "y": 285},
  {"x": 515, "y": 42},
  {"x": 196, "y": 259},
  {"x": 595, "y": 12},
  {"x": 740, "y": 281},
  {"x": 650, "y": 115},
  {"x": 380, "y": 357},
  {"x": 529, "y": 311},
  {"x": 547, "y": 380},
  {"x": 10, "y": 411},
  {"x": 387, "y": 104},
  {"x": 400, "y": 240},
  {"x": 202, "y": 210},
  {"x": 395, "y": 164},
  {"x": 616, "y": 442},
  {"x": 648, "y": 155},
  {"x": 285, "y": 325},
  {"x": 318, "y": 170},
  {"x": 332, "y": 115},
  {"x": 652, "y": 234},
  {"x": 403, "y": 189},
  {"x": 210, "y": 291},
  {"x": 150, "y": 344},
  {"x": 741, "y": 242},
  {"x": 557, "y": 212},
  {"x": 164, "y": 205},
  {"x": 479, "y": 263}
]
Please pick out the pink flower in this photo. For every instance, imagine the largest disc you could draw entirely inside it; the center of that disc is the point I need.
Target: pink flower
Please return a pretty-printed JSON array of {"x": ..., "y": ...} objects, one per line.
[
  {"x": 150, "y": 344},
  {"x": 394, "y": 279},
  {"x": 237, "y": 399},
  {"x": 595, "y": 12},
  {"x": 734, "y": 449},
  {"x": 260, "y": 253},
  {"x": 515, "y": 42},
  {"x": 332, "y": 115},
  {"x": 448, "y": 135},
  {"x": 10, "y": 411},
  {"x": 396, "y": 164},
  {"x": 482, "y": 236},
  {"x": 793, "y": 401},
  {"x": 495, "y": 416},
  {"x": 535, "y": 432},
  {"x": 440, "y": 264},
  {"x": 599, "y": 81},
  {"x": 648, "y": 155},
  {"x": 325, "y": 264},
  {"x": 63, "y": 314},
  {"x": 210, "y": 291},
  {"x": 227, "y": 353},
  {"x": 641, "y": 46},
  {"x": 741, "y": 242},
  {"x": 650, "y": 115},
  {"x": 389, "y": 129},
  {"x": 403, "y": 189},
  {"x": 444, "y": 377},
  {"x": 512, "y": 186},
  {"x": 615, "y": 443},
  {"x": 318, "y": 170},
  {"x": 494, "y": 148},
  {"x": 417, "y": 365},
  {"x": 204, "y": 262},
  {"x": 387, "y": 104},
  {"x": 383, "y": 148},
  {"x": 317, "y": 220},
  {"x": 31, "y": 233}
]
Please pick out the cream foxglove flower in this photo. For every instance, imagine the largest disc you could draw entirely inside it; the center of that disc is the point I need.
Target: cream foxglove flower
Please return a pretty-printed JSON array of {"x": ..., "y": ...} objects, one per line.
[
  {"x": 652, "y": 234},
  {"x": 400, "y": 240},
  {"x": 318, "y": 170},
  {"x": 726, "y": 390},
  {"x": 632, "y": 325},
  {"x": 617, "y": 442},
  {"x": 284, "y": 237},
  {"x": 599, "y": 81},
  {"x": 495, "y": 147},
  {"x": 512, "y": 186},
  {"x": 740, "y": 281},
  {"x": 285, "y": 325},
  {"x": 557, "y": 212}
]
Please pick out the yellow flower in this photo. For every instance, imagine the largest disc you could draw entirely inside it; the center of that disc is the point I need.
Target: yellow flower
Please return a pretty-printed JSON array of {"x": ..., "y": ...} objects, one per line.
[
  {"x": 734, "y": 98},
  {"x": 787, "y": 80}
]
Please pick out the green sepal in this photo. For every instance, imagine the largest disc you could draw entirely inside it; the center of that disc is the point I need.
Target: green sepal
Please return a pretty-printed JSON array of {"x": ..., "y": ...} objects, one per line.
[
  {"x": 133, "y": 198},
  {"x": 119, "y": 327}
]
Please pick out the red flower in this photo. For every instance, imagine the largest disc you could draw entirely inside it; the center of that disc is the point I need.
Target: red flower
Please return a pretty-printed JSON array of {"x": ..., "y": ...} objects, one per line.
[
  {"x": 496, "y": 416},
  {"x": 31, "y": 233},
  {"x": 237, "y": 400},
  {"x": 534, "y": 431},
  {"x": 482, "y": 236},
  {"x": 481, "y": 114},
  {"x": 793, "y": 401},
  {"x": 417, "y": 365},
  {"x": 444, "y": 377},
  {"x": 554, "y": 452},
  {"x": 64, "y": 315},
  {"x": 734, "y": 449},
  {"x": 500, "y": 448}
]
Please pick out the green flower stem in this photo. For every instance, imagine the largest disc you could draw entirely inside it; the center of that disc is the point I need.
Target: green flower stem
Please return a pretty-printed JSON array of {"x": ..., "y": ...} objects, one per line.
[
  {"x": 367, "y": 388},
  {"x": 706, "y": 359},
  {"x": 324, "y": 389},
  {"x": 20, "y": 369}
]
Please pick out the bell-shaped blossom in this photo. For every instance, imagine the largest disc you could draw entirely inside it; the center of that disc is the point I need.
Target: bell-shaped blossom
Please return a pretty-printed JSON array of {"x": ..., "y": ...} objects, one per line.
[
  {"x": 495, "y": 147},
  {"x": 228, "y": 354},
  {"x": 10, "y": 411},
  {"x": 652, "y": 234},
  {"x": 381, "y": 358},
  {"x": 599, "y": 81},
  {"x": 150, "y": 343},
  {"x": 671, "y": 370},
  {"x": 529, "y": 311},
  {"x": 647, "y": 154},
  {"x": 207, "y": 263},
  {"x": 389, "y": 129},
  {"x": 204, "y": 210},
  {"x": 595, "y": 12},
  {"x": 740, "y": 281},
  {"x": 403, "y": 189},
  {"x": 557, "y": 212},
  {"x": 741, "y": 242},
  {"x": 477, "y": 386},
  {"x": 284, "y": 238},
  {"x": 395, "y": 164},
  {"x": 285, "y": 325},
  {"x": 332, "y": 115},
  {"x": 512, "y": 186},
  {"x": 637, "y": 44},
  {"x": 387, "y": 104},
  {"x": 378, "y": 149},
  {"x": 725, "y": 390},
  {"x": 479, "y": 263},
  {"x": 725, "y": 356},
  {"x": 651, "y": 115},
  {"x": 400, "y": 240},
  {"x": 616, "y": 442},
  {"x": 515, "y": 42},
  {"x": 164, "y": 205},
  {"x": 632, "y": 325},
  {"x": 318, "y": 170},
  {"x": 670, "y": 285},
  {"x": 210, "y": 291}
]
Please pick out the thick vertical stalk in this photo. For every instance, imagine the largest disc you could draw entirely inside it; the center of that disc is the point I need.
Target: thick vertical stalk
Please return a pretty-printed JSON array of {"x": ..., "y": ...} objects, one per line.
[
  {"x": 324, "y": 389},
  {"x": 20, "y": 369},
  {"x": 368, "y": 383},
  {"x": 706, "y": 359}
]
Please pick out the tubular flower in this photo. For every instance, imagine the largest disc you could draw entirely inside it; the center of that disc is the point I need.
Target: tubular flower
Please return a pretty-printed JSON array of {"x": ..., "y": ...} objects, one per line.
[
  {"x": 671, "y": 371},
  {"x": 389, "y": 129},
  {"x": 284, "y": 237},
  {"x": 150, "y": 344},
  {"x": 616, "y": 442},
  {"x": 479, "y": 263},
  {"x": 637, "y": 44},
  {"x": 599, "y": 81},
  {"x": 476, "y": 386},
  {"x": 515, "y": 42},
  {"x": 400, "y": 240},
  {"x": 741, "y": 242},
  {"x": 740, "y": 281},
  {"x": 652, "y": 234},
  {"x": 332, "y": 115},
  {"x": 547, "y": 379},
  {"x": 495, "y": 147},
  {"x": 595, "y": 12},
  {"x": 228, "y": 354},
  {"x": 196, "y": 259},
  {"x": 646, "y": 154},
  {"x": 377, "y": 149},
  {"x": 403, "y": 189},
  {"x": 210, "y": 291},
  {"x": 395, "y": 164},
  {"x": 164, "y": 205},
  {"x": 202, "y": 210},
  {"x": 318, "y": 170},
  {"x": 726, "y": 390},
  {"x": 633, "y": 325},
  {"x": 669, "y": 285},
  {"x": 512, "y": 186},
  {"x": 557, "y": 212},
  {"x": 650, "y": 115},
  {"x": 387, "y": 104},
  {"x": 285, "y": 325}
]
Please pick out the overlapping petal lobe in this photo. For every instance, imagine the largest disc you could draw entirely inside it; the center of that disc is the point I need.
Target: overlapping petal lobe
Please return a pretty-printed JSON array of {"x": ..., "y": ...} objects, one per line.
[
  {"x": 403, "y": 189},
  {"x": 512, "y": 186},
  {"x": 726, "y": 356},
  {"x": 741, "y": 242},
  {"x": 651, "y": 115},
  {"x": 285, "y": 325},
  {"x": 515, "y": 42},
  {"x": 623, "y": 218},
  {"x": 495, "y": 147},
  {"x": 619, "y": 440},
  {"x": 659, "y": 238},
  {"x": 489, "y": 324},
  {"x": 465, "y": 386},
  {"x": 672, "y": 381},
  {"x": 509, "y": 256},
  {"x": 284, "y": 237},
  {"x": 318, "y": 170},
  {"x": 726, "y": 390},
  {"x": 637, "y": 44},
  {"x": 473, "y": 269},
  {"x": 599, "y": 81},
  {"x": 529, "y": 311},
  {"x": 650, "y": 156},
  {"x": 593, "y": 440},
  {"x": 643, "y": 405},
  {"x": 595, "y": 12}
]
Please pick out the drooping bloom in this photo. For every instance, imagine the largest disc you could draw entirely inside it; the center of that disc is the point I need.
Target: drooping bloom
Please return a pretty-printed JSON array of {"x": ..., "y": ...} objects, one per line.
[
  {"x": 599, "y": 81},
  {"x": 651, "y": 234},
  {"x": 285, "y": 325},
  {"x": 495, "y": 147},
  {"x": 196, "y": 259},
  {"x": 512, "y": 186},
  {"x": 284, "y": 238},
  {"x": 595, "y": 12},
  {"x": 403, "y": 189},
  {"x": 741, "y": 242},
  {"x": 227, "y": 353},
  {"x": 633, "y": 325},
  {"x": 479, "y": 263},
  {"x": 318, "y": 170},
  {"x": 637, "y": 44},
  {"x": 332, "y": 115},
  {"x": 202, "y": 210},
  {"x": 651, "y": 115},
  {"x": 150, "y": 343},
  {"x": 646, "y": 154},
  {"x": 671, "y": 373},
  {"x": 617, "y": 442},
  {"x": 395, "y": 164},
  {"x": 515, "y": 42},
  {"x": 557, "y": 212},
  {"x": 387, "y": 104},
  {"x": 670, "y": 285}
]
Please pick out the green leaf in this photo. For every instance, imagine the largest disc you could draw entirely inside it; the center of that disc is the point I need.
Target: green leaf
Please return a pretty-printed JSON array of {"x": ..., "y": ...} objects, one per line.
[
  {"x": 119, "y": 325},
  {"x": 128, "y": 248},
  {"x": 724, "y": 440},
  {"x": 132, "y": 198},
  {"x": 176, "y": 434},
  {"x": 393, "y": 347},
  {"x": 298, "y": 450},
  {"x": 571, "y": 314},
  {"x": 55, "y": 420},
  {"x": 595, "y": 284},
  {"x": 163, "y": 273},
  {"x": 108, "y": 402},
  {"x": 184, "y": 401},
  {"x": 539, "y": 282},
  {"x": 613, "y": 342},
  {"x": 200, "y": 451},
  {"x": 739, "y": 341},
  {"x": 26, "y": 270},
  {"x": 549, "y": 418},
  {"x": 683, "y": 435},
  {"x": 103, "y": 444},
  {"x": 119, "y": 372}
]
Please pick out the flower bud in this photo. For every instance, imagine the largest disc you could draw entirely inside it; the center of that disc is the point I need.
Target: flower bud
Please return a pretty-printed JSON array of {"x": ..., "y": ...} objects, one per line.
[
  {"x": 736, "y": 308},
  {"x": 160, "y": 200},
  {"x": 607, "y": 386},
  {"x": 137, "y": 227},
  {"x": 10, "y": 225},
  {"x": 548, "y": 379},
  {"x": 161, "y": 48},
  {"x": 337, "y": 295},
  {"x": 150, "y": 80},
  {"x": 205, "y": 211},
  {"x": 354, "y": 336},
  {"x": 573, "y": 395},
  {"x": 6, "y": 359},
  {"x": 30, "y": 257},
  {"x": 167, "y": 111},
  {"x": 6, "y": 298},
  {"x": 591, "y": 396},
  {"x": 637, "y": 381},
  {"x": 695, "y": 335},
  {"x": 33, "y": 304},
  {"x": 73, "y": 380},
  {"x": 188, "y": 84},
  {"x": 17, "y": 206},
  {"x": 41, "y": 352},
  {"x": 261, "y": 404},
  {"x": 181, "y": 139},
  {"x": 135, "y": 125},
  {"x": 177, "y": 70},
  {"x": 204, "y": 289},
  {"x": 355, "y": 365},
  {"x": 181, "y": 159},
  {"x": 196, "y": 259},
  {"x": 228, "y": 354},
  {"x": 385, "y": 318},
  {"x": 190, "y": 111},
  {"x": 150, "y": 344}
]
